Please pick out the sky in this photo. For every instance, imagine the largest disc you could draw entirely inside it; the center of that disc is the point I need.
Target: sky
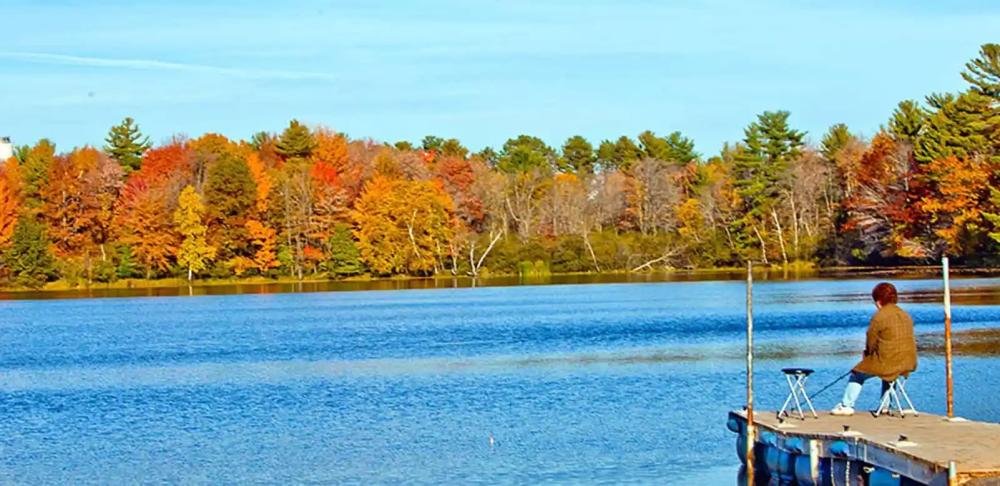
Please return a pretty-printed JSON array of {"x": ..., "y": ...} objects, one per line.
[{"x": 479, "y": 71}]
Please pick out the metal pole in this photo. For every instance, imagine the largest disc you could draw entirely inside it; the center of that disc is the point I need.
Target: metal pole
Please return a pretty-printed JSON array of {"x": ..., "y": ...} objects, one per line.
[
  {"x": 751, "y": 429},
  {"x": 947, "y": 339}
]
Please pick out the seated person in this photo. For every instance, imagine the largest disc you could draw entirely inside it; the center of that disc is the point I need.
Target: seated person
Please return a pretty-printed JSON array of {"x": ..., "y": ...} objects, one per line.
[{"x": 890, "y": 348}]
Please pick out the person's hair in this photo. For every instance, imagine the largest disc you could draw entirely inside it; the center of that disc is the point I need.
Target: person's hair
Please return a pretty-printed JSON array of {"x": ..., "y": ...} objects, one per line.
[{"x": 884, "y": 293}]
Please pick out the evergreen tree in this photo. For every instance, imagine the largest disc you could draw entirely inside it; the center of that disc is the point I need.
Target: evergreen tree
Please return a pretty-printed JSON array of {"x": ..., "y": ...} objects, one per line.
[
  {"x": 296, "y": 141},
  {"x": 127, "y": 266},
  {"x": 619, "y": 154},
  {"x": 126, "y": 144},
  {"x": 453, "y": 148},
  {"x": 260, "y": 140},
  {"x": 835, "y": 139},
  {"x": 345, "y": 258},
  {"x": 984, "y": 75},
  {"x": 907, "y": 121},
  {"x": 432, "y": 142},
  {"x": 35, "y": 171},
  {"x": 776, "y": 142},
  {"x": 769, "y": 145},
  {"x": 28, "y": 259},
  {"x": 961, "y": 126},
  {"x": 759, "y": 169},
  {"x": 674, "y": 147},
  {"x": 524, "y": 153},
  {"x": 577, "y": 155},
  {"x": 490, "y": 156},
  {"x": 680, "y": 148},
  {"x": 984, "y": 72}
]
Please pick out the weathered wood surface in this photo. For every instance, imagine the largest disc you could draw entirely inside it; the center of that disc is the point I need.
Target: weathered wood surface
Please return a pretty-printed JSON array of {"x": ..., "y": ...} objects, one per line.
[{"x": 973, "y": 446}]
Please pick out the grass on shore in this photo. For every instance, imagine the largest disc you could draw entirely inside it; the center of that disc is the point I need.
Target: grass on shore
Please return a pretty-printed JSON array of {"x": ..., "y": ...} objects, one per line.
[{"x": 794, "y": 268}]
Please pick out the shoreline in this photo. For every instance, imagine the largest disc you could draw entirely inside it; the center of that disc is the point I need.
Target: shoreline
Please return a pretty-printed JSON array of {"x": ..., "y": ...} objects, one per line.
[{"x": 174, "y": 286}]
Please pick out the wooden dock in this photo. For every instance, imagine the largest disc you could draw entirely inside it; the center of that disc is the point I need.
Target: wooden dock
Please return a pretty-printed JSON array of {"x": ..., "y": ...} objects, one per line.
[{"x": 862, "y": 449}]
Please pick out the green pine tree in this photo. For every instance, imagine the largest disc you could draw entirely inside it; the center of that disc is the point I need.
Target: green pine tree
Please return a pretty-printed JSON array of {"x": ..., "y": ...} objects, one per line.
[
  {"x": 28, "y": 260},
  {"x": 674, "y": 147},
  {"x": 345, "y": 258},
  {"x": 983, "y": 73},
  {"x": 524, "y": 153},
  {"x": 961, "y": 126},
  {"x": 454, "y": 148},
  {"x": 432, "y": 142},
  {"x": 34, "y": 171},
  {"x": 835, "y": 139},
  {"x": 490, "y": 156},
  {"x": 907, "y": 121},
  {"x": 619, "y": 154},
  {"x": 260, "y": 140},
  {"x": 126, "y": 144},
  {"x": 759, "y": 169},
  {"x": 296, "y": 141},
  {"x": 769, "y": 146},
  {"x": 403, "y": 146},
  {"x": 577, "y": 155},
  {"x": 127, "y": 266}
]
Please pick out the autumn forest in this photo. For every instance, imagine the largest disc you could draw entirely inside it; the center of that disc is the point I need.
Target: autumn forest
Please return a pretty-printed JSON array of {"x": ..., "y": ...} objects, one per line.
[{"x": 311, "y": 202}]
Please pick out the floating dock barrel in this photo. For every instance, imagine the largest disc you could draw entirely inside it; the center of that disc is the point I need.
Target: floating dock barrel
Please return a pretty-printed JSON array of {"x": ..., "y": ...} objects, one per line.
[{"x": 866, "y": 450}]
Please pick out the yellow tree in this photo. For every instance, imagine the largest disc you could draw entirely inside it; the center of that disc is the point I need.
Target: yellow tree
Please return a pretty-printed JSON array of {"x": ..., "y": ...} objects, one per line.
[
  {"x": 194, "y": 252},
  {"x": 691, "y": 221},
  {"x": 403, "y": 226}
]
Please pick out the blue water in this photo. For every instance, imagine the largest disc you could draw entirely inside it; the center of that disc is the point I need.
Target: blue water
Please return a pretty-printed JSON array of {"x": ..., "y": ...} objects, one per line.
[{"x": 617, "y": 384}]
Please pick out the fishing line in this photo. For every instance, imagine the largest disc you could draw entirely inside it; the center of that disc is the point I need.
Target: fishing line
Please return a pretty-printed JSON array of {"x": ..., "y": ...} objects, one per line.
[{"x": 834, "y": 382}]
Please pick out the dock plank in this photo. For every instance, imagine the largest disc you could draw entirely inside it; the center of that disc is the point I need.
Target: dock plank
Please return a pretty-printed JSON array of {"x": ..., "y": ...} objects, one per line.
[{"x": 973, "y": 446}]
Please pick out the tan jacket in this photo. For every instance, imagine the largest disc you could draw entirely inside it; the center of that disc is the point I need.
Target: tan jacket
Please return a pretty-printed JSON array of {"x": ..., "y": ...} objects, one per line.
[{"x": 890, "y": 347}]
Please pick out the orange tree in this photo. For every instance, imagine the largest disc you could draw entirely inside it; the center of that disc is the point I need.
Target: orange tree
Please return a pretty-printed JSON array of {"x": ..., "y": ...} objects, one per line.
[{"x": 10, "y": 198}]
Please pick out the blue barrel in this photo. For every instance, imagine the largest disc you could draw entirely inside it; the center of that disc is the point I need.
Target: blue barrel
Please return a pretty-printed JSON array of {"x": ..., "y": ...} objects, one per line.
[
  {"x": 769, "y": 451},
  {"x": 786, "y": 465},
  {"x": 840, "y": 449},
  {"x": 882, "y": 477},
  {"x": 803, "y": 471},
  {"x": 741, "y": 448},
  {"x": 734, "y": 425}
]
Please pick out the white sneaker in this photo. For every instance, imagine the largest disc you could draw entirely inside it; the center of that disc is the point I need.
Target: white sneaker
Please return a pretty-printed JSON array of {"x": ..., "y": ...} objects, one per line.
[{"x": 842, "y": 411}]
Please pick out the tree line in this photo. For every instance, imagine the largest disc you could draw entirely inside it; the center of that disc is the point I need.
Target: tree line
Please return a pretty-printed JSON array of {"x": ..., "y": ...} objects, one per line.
[{"x": 314, "y": 203}]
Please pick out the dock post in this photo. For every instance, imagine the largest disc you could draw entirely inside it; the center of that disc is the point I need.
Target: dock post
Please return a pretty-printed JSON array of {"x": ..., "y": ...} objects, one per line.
[
  {"x": 751, "y": 432},
  {"x": 947, "y": 339}
]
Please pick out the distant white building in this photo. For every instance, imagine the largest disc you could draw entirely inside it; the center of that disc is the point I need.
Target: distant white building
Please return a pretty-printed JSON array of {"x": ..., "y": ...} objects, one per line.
[{"x": 6, "y": 149}]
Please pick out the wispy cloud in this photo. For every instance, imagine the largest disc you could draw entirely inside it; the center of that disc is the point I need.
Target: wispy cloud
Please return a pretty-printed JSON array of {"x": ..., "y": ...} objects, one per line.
[{"x": 156, "y": 65}]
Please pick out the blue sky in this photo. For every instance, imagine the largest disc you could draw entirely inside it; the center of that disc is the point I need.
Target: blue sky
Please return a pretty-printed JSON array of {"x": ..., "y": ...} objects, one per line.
[{"x": 481, "y": 71}]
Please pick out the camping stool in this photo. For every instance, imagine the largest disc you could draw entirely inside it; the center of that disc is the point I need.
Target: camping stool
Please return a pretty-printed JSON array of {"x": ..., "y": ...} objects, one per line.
[
  {"x": 891, "y": 399},
  {"x": 796, "y": 378}
]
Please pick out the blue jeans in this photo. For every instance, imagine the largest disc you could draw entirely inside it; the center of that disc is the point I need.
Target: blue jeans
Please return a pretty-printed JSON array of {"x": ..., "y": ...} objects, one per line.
[{"x": 854, "y": 388}]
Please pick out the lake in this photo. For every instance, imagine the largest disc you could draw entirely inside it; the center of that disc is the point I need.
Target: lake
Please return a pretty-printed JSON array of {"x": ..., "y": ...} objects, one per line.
[{"x": 605, "y": 383}]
